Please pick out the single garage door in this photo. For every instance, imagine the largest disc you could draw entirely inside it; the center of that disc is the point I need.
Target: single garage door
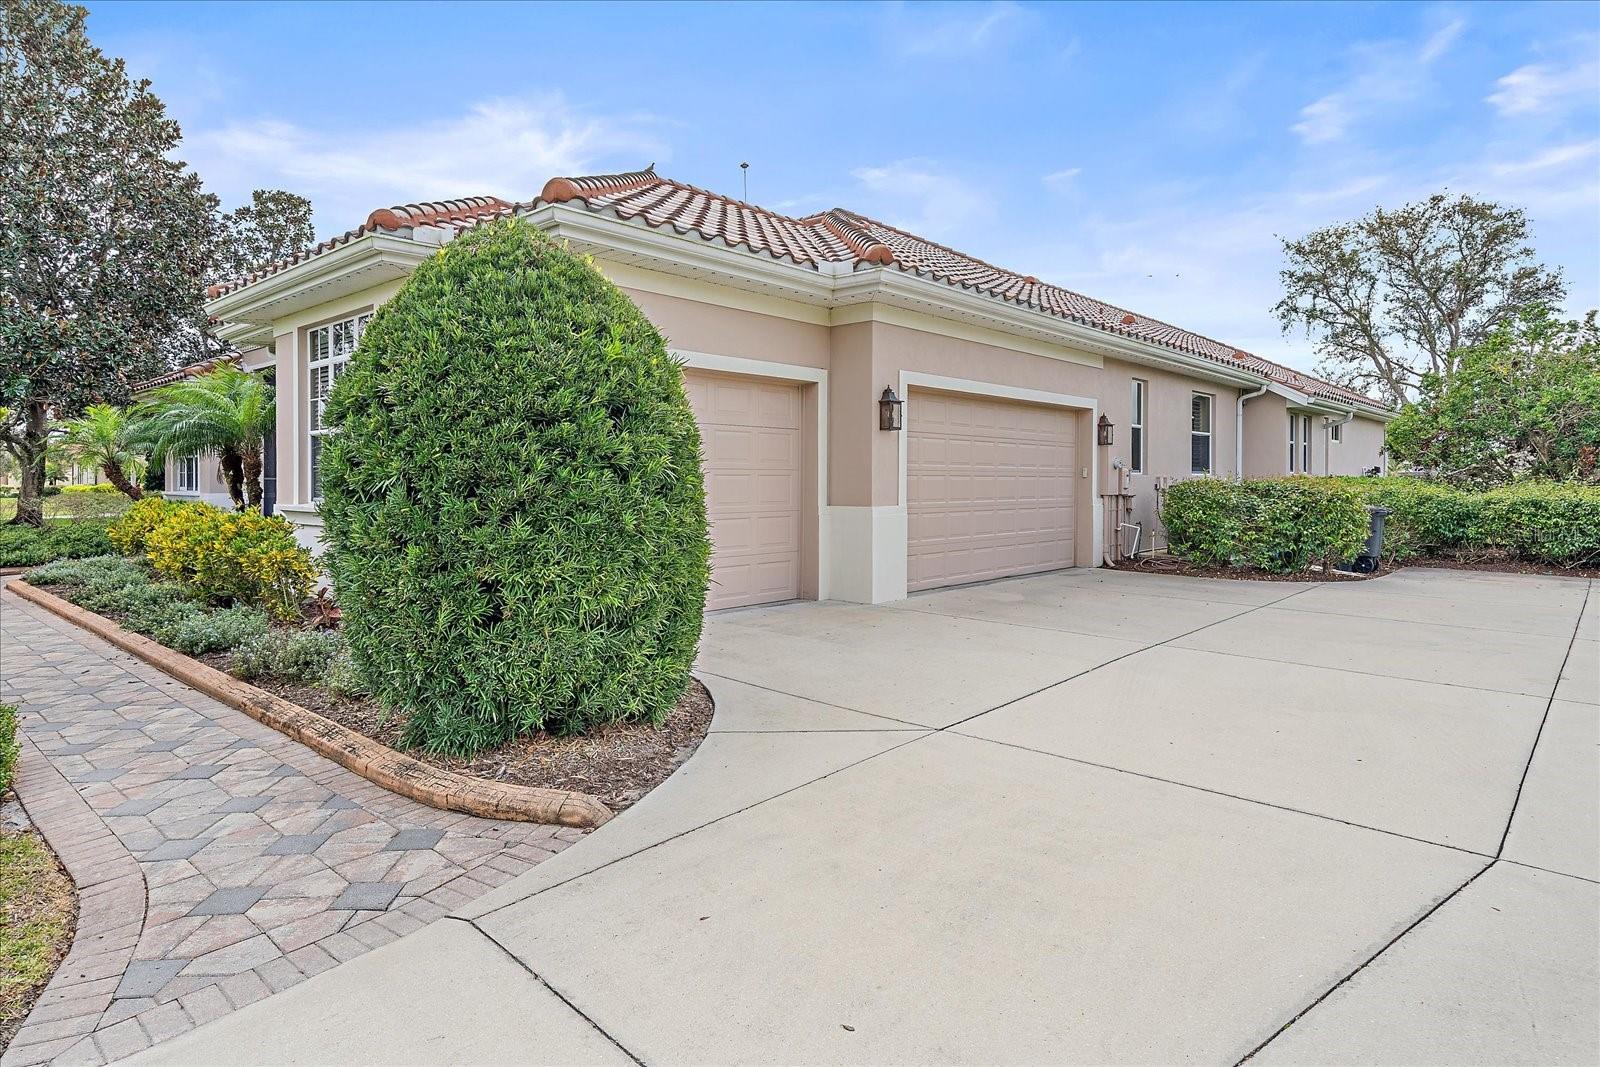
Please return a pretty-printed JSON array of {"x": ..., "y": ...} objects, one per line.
[
  {"x": 751, "y": 434},
  {"x": 989, "y": 486}
]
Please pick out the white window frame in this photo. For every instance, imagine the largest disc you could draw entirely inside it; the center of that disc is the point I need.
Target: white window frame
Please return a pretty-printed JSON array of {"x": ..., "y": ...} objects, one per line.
[
  {"x": 186, "y": 474},
  {"x": 1294, "y": 450},
  {"x": 328, "y": 349},
  {"x": 1209, "y": 433},
  {"x": 1138, "y": 399},
  {"x": 1336, "y": 432},
  {"x": 1305, "y": 444}
]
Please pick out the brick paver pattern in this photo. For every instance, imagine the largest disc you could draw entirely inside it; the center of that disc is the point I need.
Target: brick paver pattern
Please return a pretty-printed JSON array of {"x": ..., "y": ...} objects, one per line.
[{"x": 263, "y": 862}]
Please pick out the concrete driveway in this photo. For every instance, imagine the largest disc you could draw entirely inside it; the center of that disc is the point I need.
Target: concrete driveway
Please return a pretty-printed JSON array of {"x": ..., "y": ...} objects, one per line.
[{"x": 1086, "y": 817}]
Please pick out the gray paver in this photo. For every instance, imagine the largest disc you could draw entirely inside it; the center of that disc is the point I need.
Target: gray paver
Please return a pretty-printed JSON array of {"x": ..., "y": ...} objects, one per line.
[
  {"x": 413, "y": 839},
  {"x": 373, "y": 896}
]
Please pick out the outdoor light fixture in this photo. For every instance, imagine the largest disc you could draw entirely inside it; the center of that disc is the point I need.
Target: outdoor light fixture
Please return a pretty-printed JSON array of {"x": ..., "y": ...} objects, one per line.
[
  {"x": 1104, "y": 429},
  {"x": 891, "y": 410}
]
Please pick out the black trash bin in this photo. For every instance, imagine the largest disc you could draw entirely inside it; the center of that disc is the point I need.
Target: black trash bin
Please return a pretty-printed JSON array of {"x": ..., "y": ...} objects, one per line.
[{"x": 1372, "y": 554}]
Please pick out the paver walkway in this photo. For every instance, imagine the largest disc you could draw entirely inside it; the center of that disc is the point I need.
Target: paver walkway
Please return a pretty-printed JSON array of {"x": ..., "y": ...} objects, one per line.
[{"x": 262, "y": 862}]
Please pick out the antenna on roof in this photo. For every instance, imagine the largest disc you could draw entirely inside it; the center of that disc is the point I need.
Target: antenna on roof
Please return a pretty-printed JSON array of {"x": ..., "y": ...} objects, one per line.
[{"x": 744, "y": 173}]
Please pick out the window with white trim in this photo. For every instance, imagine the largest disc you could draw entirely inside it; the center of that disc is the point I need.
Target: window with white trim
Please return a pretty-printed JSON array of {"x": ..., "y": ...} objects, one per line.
[
  {"x": 1305, "y": 444},
  {"x": 186, "y": 474},
  {"x": 328, "y": 349},
  {"x": 1299, "y": 443},
  {"x": 1336, "y": 432},
  {"x": 1294, "y": 444},
  {"x": 1136, "y": 427},
  {"x": 1200, "y": 433}
]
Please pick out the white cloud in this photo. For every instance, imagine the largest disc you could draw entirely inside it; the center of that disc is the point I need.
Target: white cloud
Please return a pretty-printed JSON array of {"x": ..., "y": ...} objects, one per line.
[
  {"x": 923, "y": 30},
  {"x": 1385, "y": 74},
  {"x": 1062, "y": 179},
  {"x": 1550, "y": 158},
  {"x": 1540, "y": 87},
  {"x": 917, "y": 196},
  {"x": 504, "y": 147}
]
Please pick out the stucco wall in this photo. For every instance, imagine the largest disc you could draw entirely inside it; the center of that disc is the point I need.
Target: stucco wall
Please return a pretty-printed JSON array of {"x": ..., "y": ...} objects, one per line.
[{"x": 1361, "y": 449}]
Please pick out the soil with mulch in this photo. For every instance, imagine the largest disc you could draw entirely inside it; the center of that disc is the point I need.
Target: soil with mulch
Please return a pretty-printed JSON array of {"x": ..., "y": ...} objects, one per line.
[
  {"x": 1174, "y": 565},
  {"x": 1506, "y": 566},
  {"x": 38, "y": 911},
  {"x": 617, "y": 764}
]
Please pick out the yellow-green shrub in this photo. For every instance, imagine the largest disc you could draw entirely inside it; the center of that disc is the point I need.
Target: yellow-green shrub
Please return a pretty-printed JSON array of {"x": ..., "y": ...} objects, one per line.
[
  {"x": 128, "y": 533},
  {"x": 231, "y": 557}
]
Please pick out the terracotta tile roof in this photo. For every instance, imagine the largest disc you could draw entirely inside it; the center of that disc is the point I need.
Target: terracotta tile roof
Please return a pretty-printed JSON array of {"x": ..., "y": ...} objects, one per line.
[
  {"x": 835, "y": 238},
  {"x": 190, "y": 371},
  {"x": 840, "y": 236},
  {"x": 456, "y": 214}
]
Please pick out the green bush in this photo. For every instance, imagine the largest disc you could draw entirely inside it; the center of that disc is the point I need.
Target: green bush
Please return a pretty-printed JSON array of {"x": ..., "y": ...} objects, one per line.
[
  {"x": 27, "y": 546},
  {"x": 212, "y": 630},
  {"x": 9, "y": 746},
  {"x": 1546, "y": 522},
  {"x": 84, "y": 571},
  {"x": 1427, "y": 519},
  {"x": 301, "y": 656},
  {"x": 130, "y": 532},
  {"x": 513, "y": 503},
  {"x": 1279, "y": 525}
]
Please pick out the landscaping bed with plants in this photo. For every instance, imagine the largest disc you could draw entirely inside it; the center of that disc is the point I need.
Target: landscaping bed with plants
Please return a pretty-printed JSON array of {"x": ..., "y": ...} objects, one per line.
[
  {"x": 38, "y": 903},
  {"x": 1302, "y": 528},
  {"x": 231, "y": 589}
]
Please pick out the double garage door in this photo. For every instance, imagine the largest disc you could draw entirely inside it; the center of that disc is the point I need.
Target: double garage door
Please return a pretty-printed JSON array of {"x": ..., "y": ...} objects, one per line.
[{"x": 989, "y": 487}]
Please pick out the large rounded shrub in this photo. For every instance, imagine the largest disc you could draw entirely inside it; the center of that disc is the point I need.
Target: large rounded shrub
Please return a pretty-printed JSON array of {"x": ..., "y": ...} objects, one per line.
[{"x": 513, "y": 501}]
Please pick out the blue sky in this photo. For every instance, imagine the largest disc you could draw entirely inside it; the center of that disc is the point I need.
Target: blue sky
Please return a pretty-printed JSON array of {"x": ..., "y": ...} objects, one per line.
[{"x": 1143, "y": 154}]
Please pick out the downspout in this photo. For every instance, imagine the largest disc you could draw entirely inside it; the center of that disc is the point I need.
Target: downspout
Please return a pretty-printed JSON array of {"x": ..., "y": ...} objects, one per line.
[
  {"x": 1327, "y": 440},
  {"x": 1238, "y": 431}
]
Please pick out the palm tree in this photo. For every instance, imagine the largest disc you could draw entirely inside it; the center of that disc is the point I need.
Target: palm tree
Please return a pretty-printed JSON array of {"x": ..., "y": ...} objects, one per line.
[
  {"x": 227, "y": 411},
  {"x": 109, "y": 438}
]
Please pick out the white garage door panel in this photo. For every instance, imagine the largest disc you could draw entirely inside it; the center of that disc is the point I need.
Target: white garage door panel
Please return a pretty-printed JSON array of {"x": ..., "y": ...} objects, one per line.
[
  {"x": 989, "y": 488},
  {"x": 750, "y": 431}
]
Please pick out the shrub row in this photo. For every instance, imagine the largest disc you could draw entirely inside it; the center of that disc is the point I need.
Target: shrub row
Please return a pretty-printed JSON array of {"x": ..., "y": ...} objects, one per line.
[
  {"x": 1286, "y": 525},
  {"x": 225, "y": 557},
  {"x": 1543, "y": 522},
  {"x": 1279, "y": 525},
  {"x": 29, "y": 546}
]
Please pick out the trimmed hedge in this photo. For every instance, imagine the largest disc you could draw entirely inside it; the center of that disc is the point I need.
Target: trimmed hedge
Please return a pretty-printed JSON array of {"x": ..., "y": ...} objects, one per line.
[
  {"x": 1285, "y": 525},
  {"x": 1278, "y": 525},
  {"x": 513, "y": 504},
  {"x": 29, "y": 546}
]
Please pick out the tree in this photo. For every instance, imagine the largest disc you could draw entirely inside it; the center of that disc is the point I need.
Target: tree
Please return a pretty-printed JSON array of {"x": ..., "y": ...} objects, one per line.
[
  {"x": 1523, "y": 403},
  {"x": 1393, "y": 295},
  {"x": 513, "y": 501},
  {"x": 227, "y": 411},
  {"x": 105, "y": 234},
  {"x": 109, "y": 438},
  {"x": 274, "y": 225}
]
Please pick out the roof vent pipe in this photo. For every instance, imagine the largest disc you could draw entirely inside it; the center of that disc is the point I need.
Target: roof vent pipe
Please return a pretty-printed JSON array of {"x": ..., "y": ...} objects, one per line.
[{"x": 1238, "y": 432}]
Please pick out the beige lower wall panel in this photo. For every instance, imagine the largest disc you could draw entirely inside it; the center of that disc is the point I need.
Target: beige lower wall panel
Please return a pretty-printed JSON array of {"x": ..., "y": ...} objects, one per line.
[
  {"x": 989, "y": 489},
  {"x": 751, "y": 434}
]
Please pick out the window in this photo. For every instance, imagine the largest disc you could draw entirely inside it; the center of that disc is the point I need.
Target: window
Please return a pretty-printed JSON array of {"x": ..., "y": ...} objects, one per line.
[
  {"x": 1136, "y": 427},
  {"x": 186, "y": 474},
  {"x": 1336, "y": 432},
  {"x": 328, "y": 349},
  {"x": 1200, "y": 434},
  {"x": 1299, "y": 443}
]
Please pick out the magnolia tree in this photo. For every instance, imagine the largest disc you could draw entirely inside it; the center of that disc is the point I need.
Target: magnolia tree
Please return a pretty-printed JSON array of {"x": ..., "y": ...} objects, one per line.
[
  {"x": 1394, "y": 296},
  {"x": 106, "y": 235}
]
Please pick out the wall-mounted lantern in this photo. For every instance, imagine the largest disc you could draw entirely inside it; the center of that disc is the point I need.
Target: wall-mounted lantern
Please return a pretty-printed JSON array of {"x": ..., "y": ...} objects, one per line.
[
  {"x": 891, "y": 410},
  {"x": 1103, "y": 430}
]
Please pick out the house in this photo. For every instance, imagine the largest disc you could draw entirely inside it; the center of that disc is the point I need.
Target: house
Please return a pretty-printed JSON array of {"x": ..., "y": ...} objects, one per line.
[{"x": 798, "y": 335}]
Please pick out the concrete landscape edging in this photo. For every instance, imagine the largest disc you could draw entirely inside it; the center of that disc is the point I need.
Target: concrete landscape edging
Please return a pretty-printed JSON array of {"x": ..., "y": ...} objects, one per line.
[{"x": 394, "y": 771}]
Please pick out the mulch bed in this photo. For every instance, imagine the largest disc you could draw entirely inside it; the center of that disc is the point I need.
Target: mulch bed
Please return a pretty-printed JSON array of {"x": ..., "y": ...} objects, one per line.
[
  {"x": 617, "y": 764},
  {"x": 1174, "y": 565},
  {"x": 1506, "y": 566}
]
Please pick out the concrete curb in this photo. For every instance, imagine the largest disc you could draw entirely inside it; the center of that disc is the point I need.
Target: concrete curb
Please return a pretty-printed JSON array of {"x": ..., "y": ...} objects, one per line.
[
  {"x": 376, "y": 762},
  {"x": 111, "y": 912}
]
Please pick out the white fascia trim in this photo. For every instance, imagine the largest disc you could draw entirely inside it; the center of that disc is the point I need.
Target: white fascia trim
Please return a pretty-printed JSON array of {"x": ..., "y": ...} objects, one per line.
[
  {"x": 1329, "y": 407},
  {"x": 300, "y": 514},
  {"x": 910, "y": 378},
  {"x": 793, "y": 372},
  {"x": 363, "y": 252}
]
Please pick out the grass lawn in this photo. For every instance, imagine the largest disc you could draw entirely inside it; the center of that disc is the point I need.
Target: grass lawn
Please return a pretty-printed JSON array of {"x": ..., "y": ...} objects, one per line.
[
  {"x": 73, "y": 506},
  {"x": 37, "y": 909}
]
